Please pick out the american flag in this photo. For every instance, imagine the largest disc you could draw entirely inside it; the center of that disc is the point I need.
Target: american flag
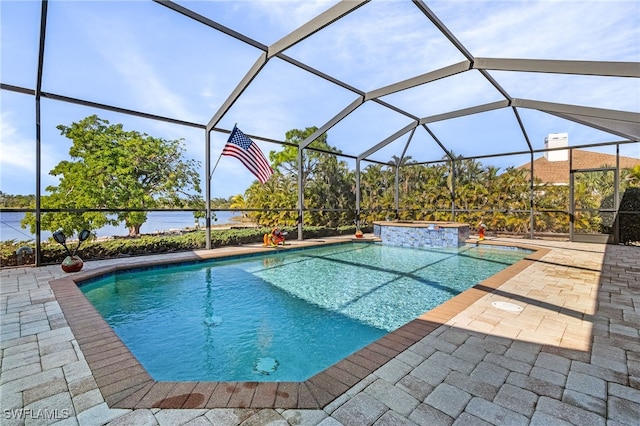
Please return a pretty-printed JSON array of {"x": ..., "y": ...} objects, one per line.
[{"x": 244, "y": 149}]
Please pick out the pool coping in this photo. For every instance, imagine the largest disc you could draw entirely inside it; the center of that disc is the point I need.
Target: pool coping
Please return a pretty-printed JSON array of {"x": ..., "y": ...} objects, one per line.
[{"x": 124, "y": 382}]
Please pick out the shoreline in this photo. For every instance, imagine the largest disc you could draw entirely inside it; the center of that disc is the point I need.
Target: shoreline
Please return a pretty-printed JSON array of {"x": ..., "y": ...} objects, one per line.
[
  {"x": 239, "y": 224},
  {"x": 229, "y": 223},
  {"x": 167, "y": 232}
]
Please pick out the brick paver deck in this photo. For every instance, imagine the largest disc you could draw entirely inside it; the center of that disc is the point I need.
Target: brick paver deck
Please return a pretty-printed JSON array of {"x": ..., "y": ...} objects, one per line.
[{"x": 571, "y": 355}]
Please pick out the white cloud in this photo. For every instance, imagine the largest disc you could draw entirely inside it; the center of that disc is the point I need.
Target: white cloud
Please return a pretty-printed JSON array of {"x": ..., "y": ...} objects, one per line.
[
  {"x": 122, "y": 50},
  {"x": 18, "y": 157},
  {"x": 14, "y": 150},
  {"x": 585, "y": 30},
  {"x": 141, "y": 77},
  {"x": 291, "y": 14}
]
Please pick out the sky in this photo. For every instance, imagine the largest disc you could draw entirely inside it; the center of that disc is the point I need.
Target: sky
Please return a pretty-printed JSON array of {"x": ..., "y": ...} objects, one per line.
[{"x": 142, "y": 56}]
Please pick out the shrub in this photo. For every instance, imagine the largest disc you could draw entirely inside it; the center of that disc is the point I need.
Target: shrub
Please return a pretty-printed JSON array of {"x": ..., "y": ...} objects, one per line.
[
  {"x": 53, "y": 253},
  {"x": 629, "y": 223}
]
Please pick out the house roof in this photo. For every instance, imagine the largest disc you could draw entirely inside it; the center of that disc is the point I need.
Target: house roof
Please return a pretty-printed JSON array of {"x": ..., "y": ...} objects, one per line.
[{"x": 558, "y": 171}]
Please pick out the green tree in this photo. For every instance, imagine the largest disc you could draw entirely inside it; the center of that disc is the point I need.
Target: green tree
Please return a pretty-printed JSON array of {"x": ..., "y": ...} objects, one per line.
[
  {"x": 17, "y": 201},
  {"x": 327, "y": 182},
  {"x": 286, "y": 160},
  {"x": 116, "y": 169}
]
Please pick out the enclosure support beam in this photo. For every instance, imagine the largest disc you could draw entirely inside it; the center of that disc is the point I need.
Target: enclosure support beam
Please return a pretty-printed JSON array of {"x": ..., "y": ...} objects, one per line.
[
  {"x": 443, "y": 29},
  {"x": 300, "y": 218},
  {"x": 228, "y": 103},
  {"x": 97, "y": 105},
  {"x": 305, "y": 143},
  {"x": 388, "y": 140},
  {"x": 119, "y": 110},
  {"x": 212, "y": 24},
  {"x": 335, "y": 120},
  {"x": 397, "y": 181},
  {"x": 554, "y": 66},
  {"x": 452, "y": 189},
  {"x": 380, "y": 145},
  {"x": 38, "y": 93},
  {"x": 616, "y": 198},
  {"x": 240, "y": 88},
  {"x": 624, "y": 116},
  {"x": 465, "y": 111},
  {"x": 419, "y": 80},
  {"x": 440, "y": 144},
  {"x": 316, "y": 24},
  {"x": 207, "y": 189},
  {"x": 572, "y": 213},
  {"x": 622, "y": 123},
  {"x": 358, "y": 191},
  {"x": 532, "y": 197},
  {"x": 495, "y": 84},
  {"x": 531, "y": 175},
  {"x": 625, "y": 130}
]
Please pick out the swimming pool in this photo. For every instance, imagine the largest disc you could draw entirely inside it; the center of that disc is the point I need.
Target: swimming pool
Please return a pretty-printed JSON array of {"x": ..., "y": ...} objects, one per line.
[{"x": 282, "y": 316}]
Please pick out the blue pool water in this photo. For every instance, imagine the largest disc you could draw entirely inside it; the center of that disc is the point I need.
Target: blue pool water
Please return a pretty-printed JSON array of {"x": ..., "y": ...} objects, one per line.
[{"x": 283, "y": 316}]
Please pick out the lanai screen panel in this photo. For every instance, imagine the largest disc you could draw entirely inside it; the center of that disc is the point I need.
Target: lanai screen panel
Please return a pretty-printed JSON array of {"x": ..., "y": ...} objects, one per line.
[{"x": 146, "y": 57}]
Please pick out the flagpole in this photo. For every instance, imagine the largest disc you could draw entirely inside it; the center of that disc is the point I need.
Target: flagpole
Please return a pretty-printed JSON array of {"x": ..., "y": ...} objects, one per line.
[
  {"x": 220, "y": 156},
  {"x": 216, "y": 165}
]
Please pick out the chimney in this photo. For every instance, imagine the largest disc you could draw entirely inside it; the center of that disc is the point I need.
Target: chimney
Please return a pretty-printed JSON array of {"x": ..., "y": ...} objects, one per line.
[{"x": 556, "y": 140}]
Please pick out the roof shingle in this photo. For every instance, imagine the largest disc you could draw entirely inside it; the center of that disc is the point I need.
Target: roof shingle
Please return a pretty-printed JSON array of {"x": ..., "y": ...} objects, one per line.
[{"x": 558, "y": 171}]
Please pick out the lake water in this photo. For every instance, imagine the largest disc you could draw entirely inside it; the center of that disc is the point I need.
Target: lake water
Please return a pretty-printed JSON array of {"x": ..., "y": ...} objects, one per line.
[{"x": 156, "y": 221}]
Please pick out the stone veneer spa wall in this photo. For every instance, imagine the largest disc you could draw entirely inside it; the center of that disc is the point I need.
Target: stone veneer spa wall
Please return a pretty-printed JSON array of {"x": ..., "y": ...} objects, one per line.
[{"x": 421, "y": 234}]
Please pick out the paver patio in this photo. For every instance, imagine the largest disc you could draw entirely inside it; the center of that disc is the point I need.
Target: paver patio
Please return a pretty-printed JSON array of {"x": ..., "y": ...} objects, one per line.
[{"x": 570, "y": 356}]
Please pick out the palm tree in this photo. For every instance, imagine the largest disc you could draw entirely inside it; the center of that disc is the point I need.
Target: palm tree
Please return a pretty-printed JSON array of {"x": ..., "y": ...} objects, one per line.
[
  {"x": 632, "y": 176},
  {"x": 376, "y": 192},
  {"x": 239, "y": 203},
  {"x": 279, "y": 192}
]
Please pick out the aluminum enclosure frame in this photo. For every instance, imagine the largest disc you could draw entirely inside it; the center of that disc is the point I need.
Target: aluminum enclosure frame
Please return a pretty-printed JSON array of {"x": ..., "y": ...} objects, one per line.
[{"x": 623, "y": 124}]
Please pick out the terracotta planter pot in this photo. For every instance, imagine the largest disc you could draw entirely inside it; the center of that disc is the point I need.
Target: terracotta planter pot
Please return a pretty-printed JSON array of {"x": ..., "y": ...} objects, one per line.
[
  {"x": 359, "y": 234},
  {"x": 72, "y": 264}
]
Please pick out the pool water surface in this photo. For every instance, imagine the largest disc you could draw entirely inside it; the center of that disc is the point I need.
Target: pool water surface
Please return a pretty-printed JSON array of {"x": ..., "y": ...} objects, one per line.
[{"x": 283, "y": 316}]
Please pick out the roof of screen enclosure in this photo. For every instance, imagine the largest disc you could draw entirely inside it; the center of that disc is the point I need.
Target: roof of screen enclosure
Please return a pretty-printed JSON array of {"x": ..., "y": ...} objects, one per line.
[{"x": 464, "y": 74}]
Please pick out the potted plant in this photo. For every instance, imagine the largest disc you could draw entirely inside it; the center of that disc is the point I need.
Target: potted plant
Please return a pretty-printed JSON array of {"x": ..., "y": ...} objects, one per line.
[{"x": 71, "y": 263}]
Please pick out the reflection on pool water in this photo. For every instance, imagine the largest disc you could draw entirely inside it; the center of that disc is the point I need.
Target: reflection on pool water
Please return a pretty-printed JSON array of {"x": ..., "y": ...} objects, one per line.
[{"x": 283, "y": 316}]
